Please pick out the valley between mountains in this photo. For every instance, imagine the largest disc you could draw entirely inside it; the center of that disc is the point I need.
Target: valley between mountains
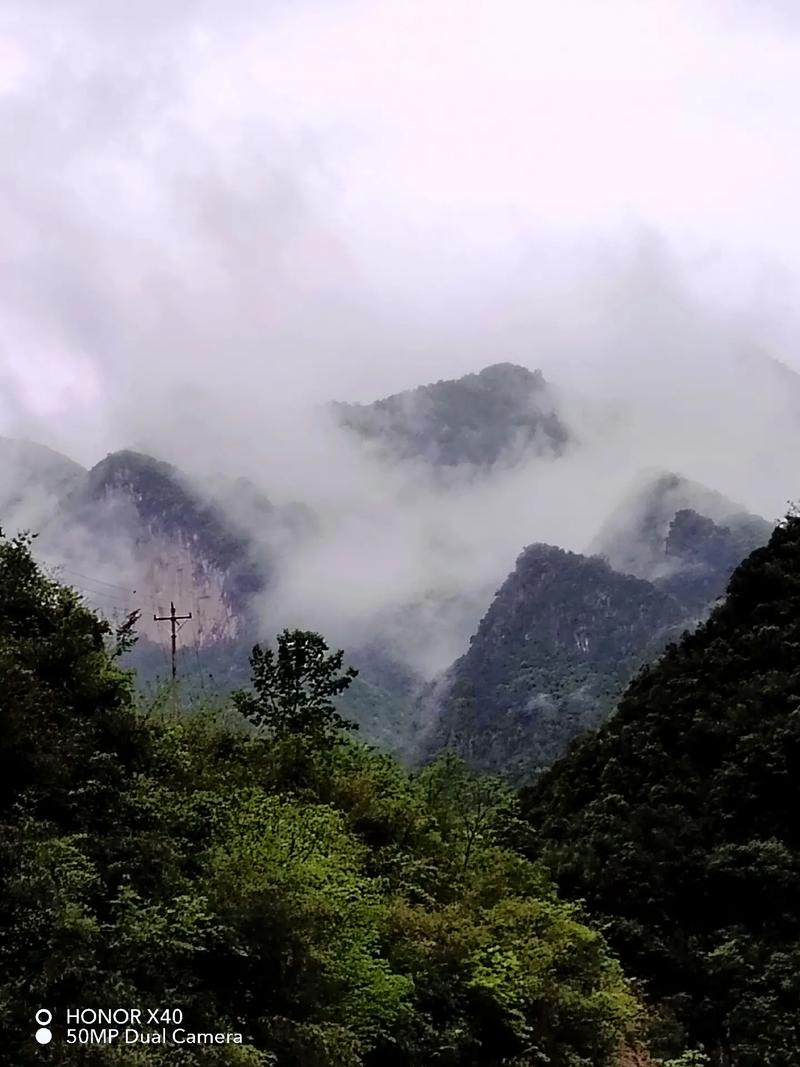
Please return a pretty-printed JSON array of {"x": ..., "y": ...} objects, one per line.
[{"x": 500, "y": 655}]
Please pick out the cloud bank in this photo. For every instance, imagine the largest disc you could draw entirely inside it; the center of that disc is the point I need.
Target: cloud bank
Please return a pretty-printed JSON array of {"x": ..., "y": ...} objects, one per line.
[{"x": 218, "y": 217}]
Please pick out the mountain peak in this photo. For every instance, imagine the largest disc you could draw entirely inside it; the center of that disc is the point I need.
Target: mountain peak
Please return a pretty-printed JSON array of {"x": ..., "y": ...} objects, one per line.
[
  {"x": 637, "y": 538},
  {"x": 508, "y": 372},
  {"x": 495, "y": 416},
  {"x": 561, "y": 638}
]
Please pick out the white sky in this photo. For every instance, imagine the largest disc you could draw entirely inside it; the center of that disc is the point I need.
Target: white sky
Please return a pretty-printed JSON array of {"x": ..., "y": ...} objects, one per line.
[{"x": 348, "y": 198}]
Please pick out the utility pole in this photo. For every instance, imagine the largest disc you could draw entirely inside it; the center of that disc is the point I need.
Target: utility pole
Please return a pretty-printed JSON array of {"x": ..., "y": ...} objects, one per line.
[{"x": 174, "y": 620}]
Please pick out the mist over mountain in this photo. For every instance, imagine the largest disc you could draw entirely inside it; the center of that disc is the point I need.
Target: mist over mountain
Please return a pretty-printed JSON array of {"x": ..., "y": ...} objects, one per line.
[
  {"x": 637, "y": 538},
  {"x": 565, "y": 632},
  {"x": 562, "y": 637},
  {"x": 455, "y": 343},
  {"x": 402, "y": 579},
  {"x": 501, "y": 414}
]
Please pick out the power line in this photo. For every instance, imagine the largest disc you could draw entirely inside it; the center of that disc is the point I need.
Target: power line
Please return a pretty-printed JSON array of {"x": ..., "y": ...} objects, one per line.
[
  {"x": 89, "y": 577},
  {"x": 93, "y": 594}
]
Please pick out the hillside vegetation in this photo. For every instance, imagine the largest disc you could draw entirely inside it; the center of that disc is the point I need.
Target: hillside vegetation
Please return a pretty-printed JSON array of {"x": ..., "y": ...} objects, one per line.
[
  {"x": 677, "y": 822},
  {"x": 562, "y": 637},
  {"x": 566, "y": 632},
  {"x": 265, "y": 873}
]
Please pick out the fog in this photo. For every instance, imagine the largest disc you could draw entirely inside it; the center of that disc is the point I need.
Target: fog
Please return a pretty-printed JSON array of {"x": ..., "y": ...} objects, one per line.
[{"x": 218, "y": 217}]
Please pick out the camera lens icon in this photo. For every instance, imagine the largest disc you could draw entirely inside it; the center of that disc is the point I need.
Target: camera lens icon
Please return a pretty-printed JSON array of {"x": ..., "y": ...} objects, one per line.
[{"x": 43, "y": 1019}]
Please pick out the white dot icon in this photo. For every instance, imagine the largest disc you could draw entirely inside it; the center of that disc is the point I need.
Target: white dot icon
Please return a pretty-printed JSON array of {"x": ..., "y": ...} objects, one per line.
[
  {"x": 44, "y": 1036},
  {"x": 44, "y": 1017}
]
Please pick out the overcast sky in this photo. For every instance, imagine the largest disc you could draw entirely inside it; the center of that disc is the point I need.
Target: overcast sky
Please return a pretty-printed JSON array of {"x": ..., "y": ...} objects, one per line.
[{"x": 344, "y": 198}]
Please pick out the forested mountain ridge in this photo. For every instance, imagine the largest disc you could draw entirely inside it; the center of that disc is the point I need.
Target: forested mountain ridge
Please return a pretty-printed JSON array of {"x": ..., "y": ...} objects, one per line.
[
  {"x": 566, "y": 632},
  {"x": 677, "y": 820},
  {"x": 702, "y": 554},
  {"x": 499, "y": 415},
  {"x": 560, "y": 640}
]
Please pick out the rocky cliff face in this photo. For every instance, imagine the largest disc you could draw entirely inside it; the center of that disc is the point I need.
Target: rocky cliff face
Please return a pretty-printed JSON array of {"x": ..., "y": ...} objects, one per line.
[
  {"x": 178, "y": 546},
  {"x": 133, "y": 534}
]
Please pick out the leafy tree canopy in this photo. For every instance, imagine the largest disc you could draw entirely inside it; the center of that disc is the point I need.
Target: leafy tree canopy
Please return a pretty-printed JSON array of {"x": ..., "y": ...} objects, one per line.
[
  {"x": 294, "y": 688},
  {"x": 353, "y": 917}
]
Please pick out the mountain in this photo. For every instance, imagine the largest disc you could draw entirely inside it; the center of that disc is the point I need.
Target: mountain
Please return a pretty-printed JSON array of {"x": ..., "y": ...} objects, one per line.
[
  {"x": 167, "y": 542},
  {"x": 495, "y": 416},
  {"x": 702, "y": 555},
  {"x": 567, "y": 632},
  {"x": 34, "y": 479},
  {"x": 639, "y": 538},
  {"x": 135, "y": 534},
  {"x": 560, "y": 640},
  {"x": 676, "y": 822}
]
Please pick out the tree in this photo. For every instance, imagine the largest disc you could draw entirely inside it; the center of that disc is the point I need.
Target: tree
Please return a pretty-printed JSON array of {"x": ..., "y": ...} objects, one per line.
[
  {"x": 470, "y": 808},
  {"x": 294, "y": 689},
  {"x": 677, "y": 821},
  {"x": 67, "y": 725}
]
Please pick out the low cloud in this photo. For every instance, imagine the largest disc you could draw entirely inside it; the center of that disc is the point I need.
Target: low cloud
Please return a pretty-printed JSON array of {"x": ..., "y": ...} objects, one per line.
[{"x": 216, "y": 221}]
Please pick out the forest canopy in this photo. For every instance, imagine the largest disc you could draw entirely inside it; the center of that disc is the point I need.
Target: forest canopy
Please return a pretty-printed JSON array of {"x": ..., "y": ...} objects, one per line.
[
  {"x": 677, "y": 821},
  {"x": 268, "y": 876}
]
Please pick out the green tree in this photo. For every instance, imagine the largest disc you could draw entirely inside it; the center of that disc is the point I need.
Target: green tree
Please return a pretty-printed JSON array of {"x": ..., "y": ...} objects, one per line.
[
  {"x": 68, "y": 730},
  {"x": 294, "y": 689},
  {"x": 471, "y": 808}
]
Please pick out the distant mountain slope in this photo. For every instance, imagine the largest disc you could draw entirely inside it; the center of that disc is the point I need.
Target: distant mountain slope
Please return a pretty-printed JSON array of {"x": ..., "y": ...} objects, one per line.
[
  {"x": 677, "y": 821},
  {"x": 562, "y": 637},
  {"x": 701, "y": 555},
  {"x": 133, "y": 533},
  {"x": 497, "y": 415},
  {"x": 33, "y": 478},
  {"x": 638, "y": 539},
  {"x": 164, "y": 514},
  {"x": 566, "y": 632}
]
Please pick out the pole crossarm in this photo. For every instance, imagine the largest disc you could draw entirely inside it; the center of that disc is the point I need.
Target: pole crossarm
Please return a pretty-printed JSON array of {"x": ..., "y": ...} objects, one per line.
[{"x": 173, "y": 618}]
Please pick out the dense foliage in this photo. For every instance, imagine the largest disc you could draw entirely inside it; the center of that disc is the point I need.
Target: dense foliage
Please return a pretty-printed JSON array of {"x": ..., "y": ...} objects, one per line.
[
  {"x": 563, "y": 636},
  {"x": 678, "y": 821},
  {"x": 333, "y": 909}
]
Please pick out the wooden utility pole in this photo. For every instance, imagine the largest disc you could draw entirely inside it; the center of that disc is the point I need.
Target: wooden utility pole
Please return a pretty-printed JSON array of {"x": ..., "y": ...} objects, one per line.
[{"x": 174, "y": 620}]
